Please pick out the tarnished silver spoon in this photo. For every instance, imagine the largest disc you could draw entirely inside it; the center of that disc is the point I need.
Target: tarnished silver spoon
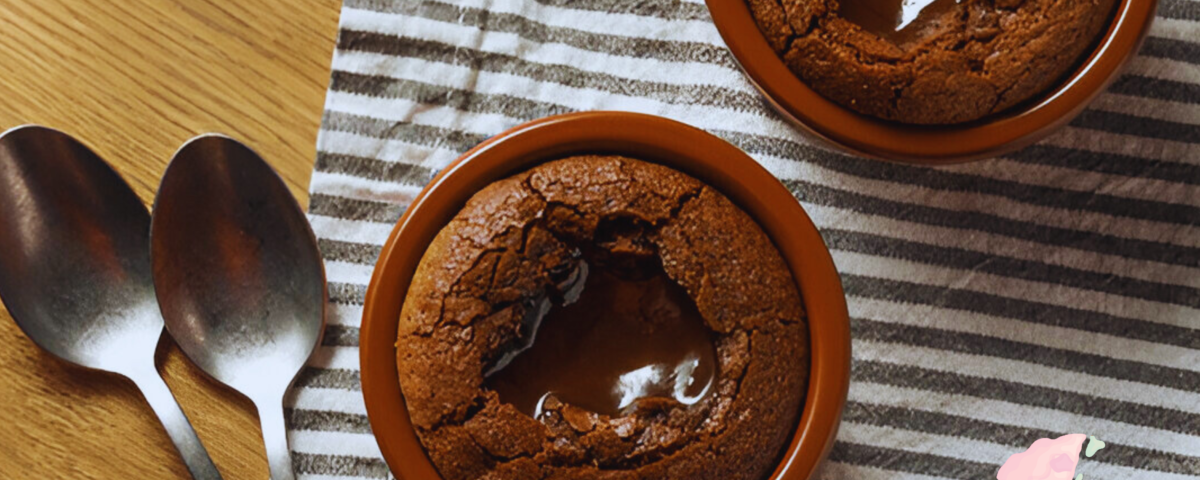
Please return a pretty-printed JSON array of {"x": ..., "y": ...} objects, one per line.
[
  {"x": 239, "y": 278},
  {"x": 75, "y": 268}
]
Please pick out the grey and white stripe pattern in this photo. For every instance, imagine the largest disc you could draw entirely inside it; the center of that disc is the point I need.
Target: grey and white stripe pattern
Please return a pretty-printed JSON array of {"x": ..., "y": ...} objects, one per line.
[{"x": 1052, "y": 291}]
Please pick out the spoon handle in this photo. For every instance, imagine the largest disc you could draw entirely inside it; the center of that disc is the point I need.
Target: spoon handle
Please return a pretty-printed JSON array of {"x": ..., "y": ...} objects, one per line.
[
  {"x": 274, "y": 430},
  {"x": 199, "y": 464}
]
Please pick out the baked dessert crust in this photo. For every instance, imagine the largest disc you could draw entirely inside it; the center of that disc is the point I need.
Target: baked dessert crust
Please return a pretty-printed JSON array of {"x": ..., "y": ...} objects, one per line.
[
  {"x": 980, "y": 58},
  {"x": 515, "y": 241}
]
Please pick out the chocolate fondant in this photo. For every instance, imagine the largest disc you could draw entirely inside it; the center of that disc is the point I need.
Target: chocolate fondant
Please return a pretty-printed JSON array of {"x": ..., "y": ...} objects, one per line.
[
  {"x": 931, "y": 61},
  {"x": 534, "y": 340}
]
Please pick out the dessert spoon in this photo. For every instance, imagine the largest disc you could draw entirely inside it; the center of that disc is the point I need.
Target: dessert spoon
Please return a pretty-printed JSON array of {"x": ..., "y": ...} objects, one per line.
[
  {"x": 239, "y": 278},
  {"x": 75, "y": 272}
]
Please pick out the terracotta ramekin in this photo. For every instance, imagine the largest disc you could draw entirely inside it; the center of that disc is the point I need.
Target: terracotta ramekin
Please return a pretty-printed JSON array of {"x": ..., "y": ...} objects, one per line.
[
  {"x": 645, "y": 137},
  {"x": 834, "y": 125}
]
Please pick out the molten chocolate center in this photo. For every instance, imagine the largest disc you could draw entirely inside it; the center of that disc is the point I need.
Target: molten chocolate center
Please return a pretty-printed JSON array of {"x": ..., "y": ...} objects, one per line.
[
  {"x": 899, "y": 21},
  {"x": 622, "y": 339}
]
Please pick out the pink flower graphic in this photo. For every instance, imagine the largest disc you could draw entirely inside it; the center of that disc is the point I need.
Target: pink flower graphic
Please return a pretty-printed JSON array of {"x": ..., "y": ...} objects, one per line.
[{"x": 1046, "y": 459}]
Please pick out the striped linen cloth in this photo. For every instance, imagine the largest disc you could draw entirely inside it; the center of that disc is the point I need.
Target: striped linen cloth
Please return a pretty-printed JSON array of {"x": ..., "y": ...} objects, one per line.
[{"x": 1052, "y": 291}]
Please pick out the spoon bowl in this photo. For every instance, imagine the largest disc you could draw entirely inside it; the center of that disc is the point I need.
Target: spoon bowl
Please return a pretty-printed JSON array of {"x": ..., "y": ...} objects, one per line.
[
  {"x": 238, "y": 275},
  {"x": 75, "y": 273}
]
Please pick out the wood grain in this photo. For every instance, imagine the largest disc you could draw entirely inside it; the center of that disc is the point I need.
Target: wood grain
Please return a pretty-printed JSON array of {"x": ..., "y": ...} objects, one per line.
[{"x": 134, "y": 79}]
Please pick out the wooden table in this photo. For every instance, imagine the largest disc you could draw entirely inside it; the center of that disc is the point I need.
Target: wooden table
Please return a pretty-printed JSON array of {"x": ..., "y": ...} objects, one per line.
[{"x": 134, "y": 79}]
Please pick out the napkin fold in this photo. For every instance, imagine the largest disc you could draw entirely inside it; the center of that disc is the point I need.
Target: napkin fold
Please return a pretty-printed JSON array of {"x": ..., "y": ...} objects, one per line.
[{"x": 1053, "y": 291}]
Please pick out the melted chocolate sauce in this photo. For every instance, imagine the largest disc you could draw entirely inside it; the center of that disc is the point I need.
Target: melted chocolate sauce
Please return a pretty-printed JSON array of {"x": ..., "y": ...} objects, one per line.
[
  {"x": 900, "y": 21},
  {"x": 621, "y": 338}
]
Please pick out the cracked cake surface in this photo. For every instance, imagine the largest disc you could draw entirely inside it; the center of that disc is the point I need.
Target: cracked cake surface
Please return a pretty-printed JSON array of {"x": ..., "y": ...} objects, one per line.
[
  {"x": 965, "y": 60},
  {"x": 516, "y": 243}
]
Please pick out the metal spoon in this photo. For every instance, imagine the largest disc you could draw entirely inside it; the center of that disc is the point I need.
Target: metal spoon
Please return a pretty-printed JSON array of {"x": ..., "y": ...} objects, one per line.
[
  {"x": 75, "y": 270},
  {"x": 239, "y": 277}
]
